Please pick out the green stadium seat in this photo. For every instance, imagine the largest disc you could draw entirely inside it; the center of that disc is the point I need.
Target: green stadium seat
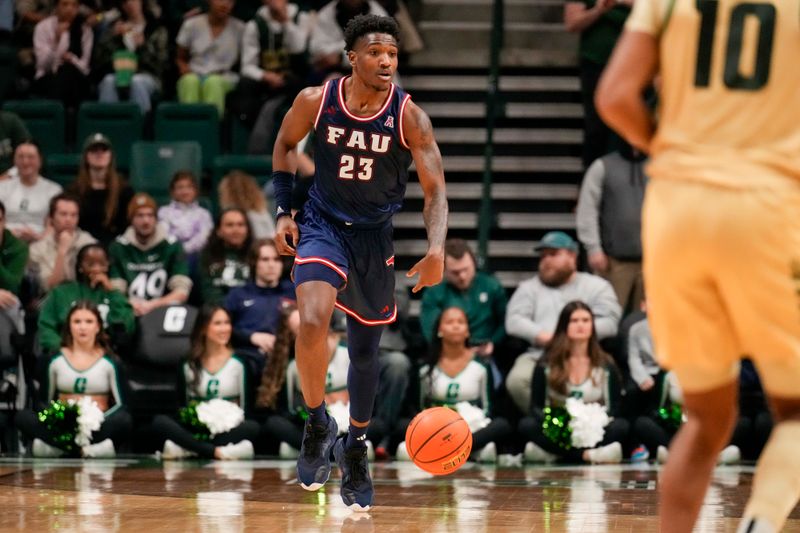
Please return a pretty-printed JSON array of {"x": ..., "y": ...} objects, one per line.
[
  {"x": 44, "y": 120},
  {"x": 190, "y": 122},
  {"x": 62, "y": 168},
  {"x": 154, "y": 163},
  {"x": 120, "y": 122},
  {"x": 258, "y": 166},
  {"x": 239, "y": 136}
]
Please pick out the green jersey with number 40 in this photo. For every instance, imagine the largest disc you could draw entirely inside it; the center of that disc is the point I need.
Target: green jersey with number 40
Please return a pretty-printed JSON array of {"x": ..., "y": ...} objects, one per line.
[{"x": 145, "y": 272}]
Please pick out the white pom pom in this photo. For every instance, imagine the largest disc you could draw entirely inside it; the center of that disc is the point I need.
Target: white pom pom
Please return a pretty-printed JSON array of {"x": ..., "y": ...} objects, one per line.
[
  {"x": 474, "y": 416},
  {"x": 587, "y": 422},
  {"x": 340, "y": 412},
  {"x": 219, "y": 416},
  {"x": 90, "y": 418}
]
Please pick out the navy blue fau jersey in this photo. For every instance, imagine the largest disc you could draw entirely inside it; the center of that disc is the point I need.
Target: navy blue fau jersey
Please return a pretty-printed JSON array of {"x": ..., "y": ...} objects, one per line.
[{"x": 361, "y": 162}]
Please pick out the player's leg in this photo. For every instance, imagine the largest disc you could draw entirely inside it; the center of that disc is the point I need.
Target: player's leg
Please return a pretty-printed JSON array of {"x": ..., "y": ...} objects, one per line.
[
  {"x": 695, "y": 448},
  {"x": 766, "y": 313},
  {"x": 776, "y": 485},
  {"x": 362, "y": 377},
  {"x": 320, "y": 270},
  {"x": 315, "y": 301},
  {"x": 693, "y": 333},
  {"x": 362, "y": 384}
]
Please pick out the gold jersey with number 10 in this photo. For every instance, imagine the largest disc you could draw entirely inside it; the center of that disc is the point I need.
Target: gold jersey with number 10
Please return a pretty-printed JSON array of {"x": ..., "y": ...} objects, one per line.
[{"x": 729, "y": 89}]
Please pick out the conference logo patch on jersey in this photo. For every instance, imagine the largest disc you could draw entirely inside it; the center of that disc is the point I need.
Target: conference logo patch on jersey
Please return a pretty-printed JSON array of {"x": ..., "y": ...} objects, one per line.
[{"x": 389, "y": 122}]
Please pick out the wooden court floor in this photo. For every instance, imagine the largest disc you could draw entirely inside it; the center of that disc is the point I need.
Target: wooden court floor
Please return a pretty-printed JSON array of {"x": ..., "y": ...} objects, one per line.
[{"x": 143, "y": 495}]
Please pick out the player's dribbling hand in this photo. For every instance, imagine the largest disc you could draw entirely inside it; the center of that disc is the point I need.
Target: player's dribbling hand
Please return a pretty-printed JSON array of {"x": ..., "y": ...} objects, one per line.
[
  {"x": 430, "y": 269},
  {"x": 286, "y": 227}
]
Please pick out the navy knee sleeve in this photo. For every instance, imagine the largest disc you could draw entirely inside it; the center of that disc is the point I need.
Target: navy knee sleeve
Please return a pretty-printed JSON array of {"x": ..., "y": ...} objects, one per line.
[{"x": 362, "y": 377}]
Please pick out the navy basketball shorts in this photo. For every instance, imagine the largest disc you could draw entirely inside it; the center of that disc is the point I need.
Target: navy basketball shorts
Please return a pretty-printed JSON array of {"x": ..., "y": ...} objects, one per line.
[{"x": 357, "y": 261}]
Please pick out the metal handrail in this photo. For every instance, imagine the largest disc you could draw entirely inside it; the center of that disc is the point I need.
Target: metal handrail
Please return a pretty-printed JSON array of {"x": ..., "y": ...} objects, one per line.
[{"x": 492, "y": 101}]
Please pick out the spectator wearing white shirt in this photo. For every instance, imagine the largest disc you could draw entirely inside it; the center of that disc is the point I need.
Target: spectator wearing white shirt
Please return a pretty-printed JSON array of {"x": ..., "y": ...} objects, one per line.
[
  {"x": 26, "y": 194},
  {"x": 208, "y": 49}
]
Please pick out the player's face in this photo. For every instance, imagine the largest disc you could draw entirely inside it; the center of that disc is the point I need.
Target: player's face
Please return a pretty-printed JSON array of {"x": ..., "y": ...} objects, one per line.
[
  {"x": 374, "y": 60},
  {"x": 94, "y": 262},
  {"x": 219, "y": 328},
  {"x": 556, "y": 266},
  {"x": 27, "y": 160},
  {"x": 233, "y": 229},
  {"x": 83, "y": 326},
  {"x": 580, "y": 325},
  {"x": 184, "y": 191},
  {"x": 269, "y": 266},
  {"x": 65, "y": 216},
  {"x": 459, "y": 272},
  {"x": 453, "y": 327},
  {"x": 144, "y": 222}
]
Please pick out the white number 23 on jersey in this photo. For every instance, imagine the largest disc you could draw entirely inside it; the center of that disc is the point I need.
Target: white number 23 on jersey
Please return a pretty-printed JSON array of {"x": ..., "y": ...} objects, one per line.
[{"x": 351, "y": 166}]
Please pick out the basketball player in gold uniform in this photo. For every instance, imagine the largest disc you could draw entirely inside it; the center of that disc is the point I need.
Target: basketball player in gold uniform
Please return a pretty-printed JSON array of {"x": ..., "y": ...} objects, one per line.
[{"x": 721, "y": 226}]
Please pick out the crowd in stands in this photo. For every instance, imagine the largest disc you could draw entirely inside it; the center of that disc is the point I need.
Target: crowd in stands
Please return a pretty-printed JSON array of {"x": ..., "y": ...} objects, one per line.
[{"x": 81, "y": 268}]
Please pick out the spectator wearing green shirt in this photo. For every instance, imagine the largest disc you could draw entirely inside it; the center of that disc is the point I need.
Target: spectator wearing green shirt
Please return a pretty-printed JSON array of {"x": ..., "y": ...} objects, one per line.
[
  {"x": 93, "y": 284},
  {"x": 480, "y": 295},
  {"x": 146, "y": 263},
  {"x": 12, "y": 133},
  {"x": 599, "y": 23}
]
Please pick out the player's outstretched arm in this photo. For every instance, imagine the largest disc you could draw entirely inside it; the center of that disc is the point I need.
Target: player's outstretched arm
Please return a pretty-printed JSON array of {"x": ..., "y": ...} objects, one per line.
[
  {"x": 418, "y": 132},
  {"x": 296, "y": 125},
  {"x": 619, "y": 98}
]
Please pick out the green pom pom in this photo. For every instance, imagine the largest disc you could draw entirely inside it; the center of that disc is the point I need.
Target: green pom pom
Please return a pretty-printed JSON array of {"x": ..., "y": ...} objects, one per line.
[
  {"x": 556, "y": 427},
  {"x": 671, "y": 416},
  {"x": 61, "y": 419},
  {"x": 188, "y": 417}
]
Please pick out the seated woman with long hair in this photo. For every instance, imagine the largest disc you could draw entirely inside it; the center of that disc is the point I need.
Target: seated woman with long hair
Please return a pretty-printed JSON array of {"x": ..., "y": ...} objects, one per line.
[
  {"x": 453, "y": 374},
  {"x": 574, "y": 366},
  {"x": 211, "y": 371},
  {"x": 83, "y": 367}
]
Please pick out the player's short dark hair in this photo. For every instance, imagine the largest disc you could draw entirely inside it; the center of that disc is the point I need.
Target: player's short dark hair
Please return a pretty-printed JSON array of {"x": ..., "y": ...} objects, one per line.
[{"x": 362, "y": 25}]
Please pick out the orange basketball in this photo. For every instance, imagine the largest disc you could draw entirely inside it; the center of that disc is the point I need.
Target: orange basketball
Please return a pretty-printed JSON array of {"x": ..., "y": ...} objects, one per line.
[{"x": 439, "y": 440}]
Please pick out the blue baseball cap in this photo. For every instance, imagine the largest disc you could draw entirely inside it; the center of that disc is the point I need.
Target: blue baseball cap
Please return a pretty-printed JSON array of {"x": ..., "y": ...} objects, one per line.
[{"x": 556, "y": 240}]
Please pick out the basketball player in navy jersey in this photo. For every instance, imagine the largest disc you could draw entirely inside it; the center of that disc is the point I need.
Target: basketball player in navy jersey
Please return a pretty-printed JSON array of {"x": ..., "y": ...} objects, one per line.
[{"x": 367, "y": 133}]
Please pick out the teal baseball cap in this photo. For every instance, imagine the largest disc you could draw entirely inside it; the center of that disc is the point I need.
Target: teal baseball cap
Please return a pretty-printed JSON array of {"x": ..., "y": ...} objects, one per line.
[{"x": 556, "y": 240}]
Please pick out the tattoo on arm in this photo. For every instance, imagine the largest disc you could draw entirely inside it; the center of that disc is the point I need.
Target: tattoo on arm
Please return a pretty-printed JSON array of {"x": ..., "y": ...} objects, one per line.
[
  {"x": 431, "y": 176},
  {"x": 435, "y": 215}
]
